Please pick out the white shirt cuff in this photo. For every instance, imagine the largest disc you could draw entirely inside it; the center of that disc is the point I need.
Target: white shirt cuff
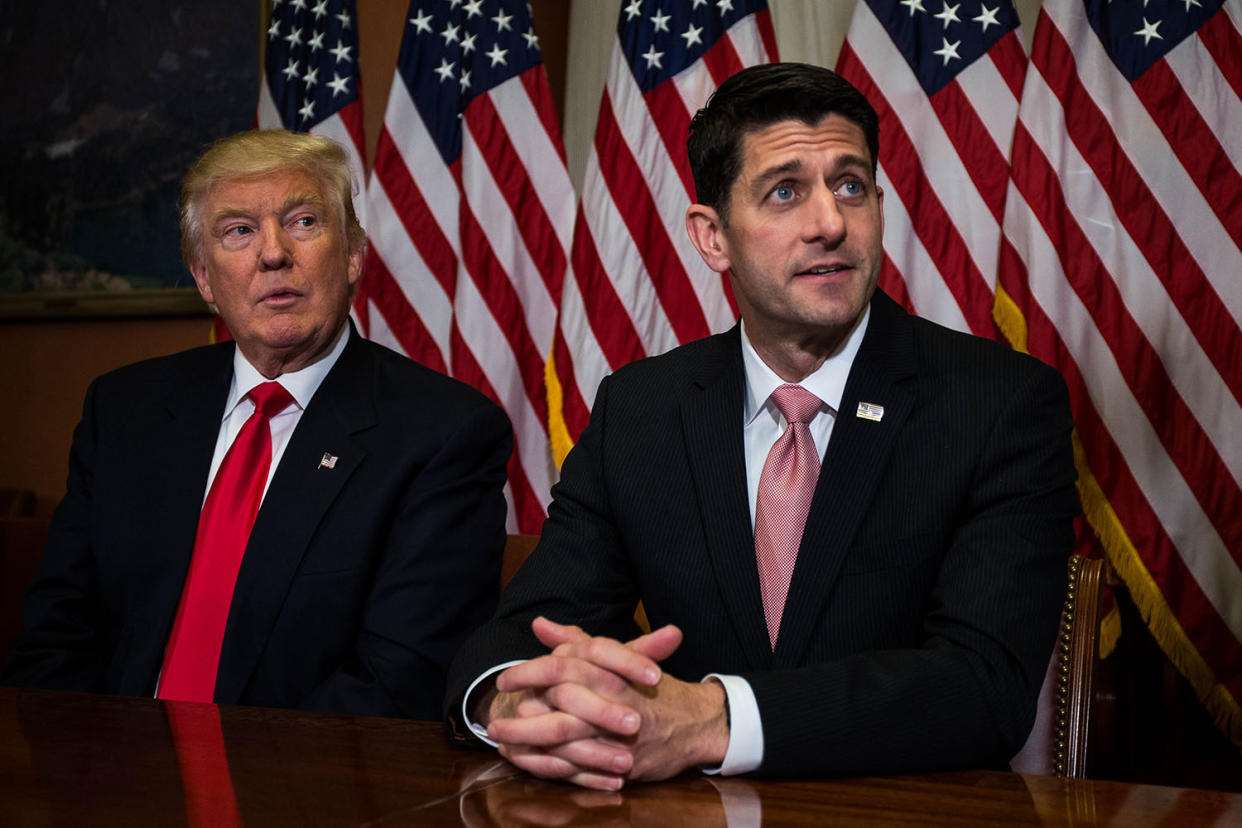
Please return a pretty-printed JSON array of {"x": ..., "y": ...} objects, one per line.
[
  {"x": 476, "y": 728},
  {"x": 745, "y": 751}
]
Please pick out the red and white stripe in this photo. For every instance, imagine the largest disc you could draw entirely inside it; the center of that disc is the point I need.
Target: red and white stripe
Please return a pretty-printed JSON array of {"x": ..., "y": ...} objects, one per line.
[
  {"x": 944, "y": 162},
  {"x": 466, "y": 260},
  {"x": 636, "y": 286},
  {"x": 1124, "y": 248}
]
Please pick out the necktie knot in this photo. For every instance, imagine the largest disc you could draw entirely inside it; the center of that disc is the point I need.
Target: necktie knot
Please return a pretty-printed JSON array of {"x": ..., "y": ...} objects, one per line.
[
  {"x": 270, "y": 398},
  {"x": 796, "y": 404}
]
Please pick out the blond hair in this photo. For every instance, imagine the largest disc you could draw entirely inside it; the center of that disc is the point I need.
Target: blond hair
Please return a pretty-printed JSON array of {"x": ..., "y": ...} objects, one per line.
[{"x": 260, "y": 152}]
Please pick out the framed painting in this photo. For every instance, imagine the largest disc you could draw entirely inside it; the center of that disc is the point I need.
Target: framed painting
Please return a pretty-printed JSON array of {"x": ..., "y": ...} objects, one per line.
[{"x": 106, "y": 104}]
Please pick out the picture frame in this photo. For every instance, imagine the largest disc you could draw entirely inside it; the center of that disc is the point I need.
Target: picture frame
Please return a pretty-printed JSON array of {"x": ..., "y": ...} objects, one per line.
[{"x": 115, "y": 101}]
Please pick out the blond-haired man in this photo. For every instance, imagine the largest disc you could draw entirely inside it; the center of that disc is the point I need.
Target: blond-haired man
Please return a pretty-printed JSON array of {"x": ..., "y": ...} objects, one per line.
[{"x": 376, "y": 520}]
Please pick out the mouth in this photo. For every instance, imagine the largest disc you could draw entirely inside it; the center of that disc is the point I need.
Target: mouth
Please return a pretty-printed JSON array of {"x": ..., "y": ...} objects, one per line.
[
  {"x": 280, "y": 296},
  {"x": 824, "y": 270}
]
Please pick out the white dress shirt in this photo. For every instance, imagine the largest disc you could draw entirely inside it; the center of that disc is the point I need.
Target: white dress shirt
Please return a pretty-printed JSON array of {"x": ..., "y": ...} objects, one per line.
[
  {"x": 301, "y": 385},
  {"x": 762, "y": 425}
]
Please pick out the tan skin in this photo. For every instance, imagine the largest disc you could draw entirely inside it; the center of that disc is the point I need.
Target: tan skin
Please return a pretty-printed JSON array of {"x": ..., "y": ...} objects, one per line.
[
  {"x": 803, "y": 247},
  {"x": 803, "y": 241},
  {"x": 277, "y": 266}
]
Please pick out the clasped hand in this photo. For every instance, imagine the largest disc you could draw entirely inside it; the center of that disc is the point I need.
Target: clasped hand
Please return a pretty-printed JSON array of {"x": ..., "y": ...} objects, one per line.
[{"x": 597, "y": 712}]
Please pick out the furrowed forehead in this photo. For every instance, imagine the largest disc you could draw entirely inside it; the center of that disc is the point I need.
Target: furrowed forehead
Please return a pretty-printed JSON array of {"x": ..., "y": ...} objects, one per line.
[{"x": 786, "y": 144}]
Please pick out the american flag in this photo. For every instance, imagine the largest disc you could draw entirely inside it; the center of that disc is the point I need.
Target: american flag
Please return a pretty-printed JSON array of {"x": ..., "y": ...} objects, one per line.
[
  {"x": 945, "y": 80},
  {"x": 310, "y": 77},
  {"x": 1124, "y": 231},
  {"x": 469, "y": 215},
  {"x": 636, "y": 286}
]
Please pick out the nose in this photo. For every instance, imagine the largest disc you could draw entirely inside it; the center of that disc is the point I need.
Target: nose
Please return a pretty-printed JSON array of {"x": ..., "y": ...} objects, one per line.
[
  {"x": 823, "y": 220},
  {"x": 275, "y": 252}
]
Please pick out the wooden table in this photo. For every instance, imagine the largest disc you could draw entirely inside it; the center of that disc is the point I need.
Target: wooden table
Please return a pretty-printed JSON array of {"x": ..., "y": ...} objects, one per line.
[{"x": 71, "y": 759}]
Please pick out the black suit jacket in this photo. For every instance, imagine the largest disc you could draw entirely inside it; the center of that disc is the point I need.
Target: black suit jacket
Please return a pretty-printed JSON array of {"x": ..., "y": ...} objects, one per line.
[
  {"x": 359, "y": 582},
  {"x": 926, "y": 593}
]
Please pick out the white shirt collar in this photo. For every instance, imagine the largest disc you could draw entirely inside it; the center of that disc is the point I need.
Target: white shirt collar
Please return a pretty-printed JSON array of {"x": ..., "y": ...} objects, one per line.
[
  {"x": 827, "y": 382},
  {"x": 301, "y": 384}
]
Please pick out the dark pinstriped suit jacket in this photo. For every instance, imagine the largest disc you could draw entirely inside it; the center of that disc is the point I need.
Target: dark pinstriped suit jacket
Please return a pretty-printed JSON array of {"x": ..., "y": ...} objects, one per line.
[
  {"x": 359, "y": 582},
  {"x": 927, "y": 590}
]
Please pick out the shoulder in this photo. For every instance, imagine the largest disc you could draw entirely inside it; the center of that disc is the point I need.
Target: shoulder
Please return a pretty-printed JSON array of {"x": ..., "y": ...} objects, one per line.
[
  {"x": 941, "y": 355},
  {"x": 400, "y": 382},
  {"x": 157, "y": 373},
  {"x": 695, "y": 362},
  {"x": 195, "y": 360},
  {"x": 945, "y": 350}
]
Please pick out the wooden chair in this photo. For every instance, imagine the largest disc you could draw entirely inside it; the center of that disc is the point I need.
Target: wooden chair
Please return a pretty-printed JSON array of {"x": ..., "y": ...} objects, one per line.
[
  {"x": 1078, "y": 652},
  {"x": 1058, "y": 741},
  {"x": 517, "y": 548}
]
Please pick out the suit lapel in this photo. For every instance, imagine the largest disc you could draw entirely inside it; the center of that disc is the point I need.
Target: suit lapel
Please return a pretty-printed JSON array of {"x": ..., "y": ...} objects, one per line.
[
  {"x": 854, "y": 462},
  {"x": 299, "y": 496},
  {"x": 183, "y": 438},
  {"x": 711, "y": 420},
  {"x": 168, "y": 477}
]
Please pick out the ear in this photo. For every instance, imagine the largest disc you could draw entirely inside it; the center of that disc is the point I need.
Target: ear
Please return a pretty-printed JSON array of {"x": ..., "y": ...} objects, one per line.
[
  {"x": 199, "y": 272},
  {"x": 706, "y": 232},
  {"x": 879, "y": 194},
  {"x": 353, "y": 268}
]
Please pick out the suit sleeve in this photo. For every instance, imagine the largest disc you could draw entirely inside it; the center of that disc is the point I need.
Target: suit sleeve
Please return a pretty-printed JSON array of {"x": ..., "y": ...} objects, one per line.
[
  {"x": 437, "y": 579},
  {"x": 63, "y": 642},
  {"x": 576, "y": 575},
  {"x": 966, "y": 695}
]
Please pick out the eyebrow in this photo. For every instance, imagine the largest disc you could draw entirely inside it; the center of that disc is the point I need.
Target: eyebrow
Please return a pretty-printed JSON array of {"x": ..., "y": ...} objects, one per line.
[
  {"x": 794, "y": 165},
  {"x": 308, "y": 199},
  {"x": 771, "y": 173},
  {"x": 295, "y": 200}
]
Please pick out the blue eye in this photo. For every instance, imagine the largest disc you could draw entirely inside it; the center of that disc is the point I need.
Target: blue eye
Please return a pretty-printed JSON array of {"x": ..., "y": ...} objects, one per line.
[
  {"x": 853, "y": 187},
  {"x": 305, "y": 221},
  {"x": 783, "y": 193}
]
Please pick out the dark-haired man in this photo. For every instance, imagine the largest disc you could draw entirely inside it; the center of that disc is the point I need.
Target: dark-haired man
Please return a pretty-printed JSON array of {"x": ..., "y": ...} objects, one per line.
[
  {"x": 847, "y": 525},
  {"x": 300, "y": 519}
]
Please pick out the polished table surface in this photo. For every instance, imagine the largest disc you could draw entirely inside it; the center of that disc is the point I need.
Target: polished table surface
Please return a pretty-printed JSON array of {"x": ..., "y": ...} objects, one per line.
[{"x": 73, "y": 759}]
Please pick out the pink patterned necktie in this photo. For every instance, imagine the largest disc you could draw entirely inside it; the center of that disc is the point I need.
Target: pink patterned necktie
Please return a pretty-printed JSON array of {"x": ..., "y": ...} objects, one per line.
[
  {"x": 785, "y": 489},
  {"x": 193, "y": 652}
]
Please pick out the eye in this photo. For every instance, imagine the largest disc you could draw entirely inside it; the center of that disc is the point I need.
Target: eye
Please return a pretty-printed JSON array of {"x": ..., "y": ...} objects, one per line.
[
  {"x": 783, "y": 192},
  {"x": 305, "y": 221},
  {"x": 236, "y": 236},
  {"x": 851, "y": 188}
]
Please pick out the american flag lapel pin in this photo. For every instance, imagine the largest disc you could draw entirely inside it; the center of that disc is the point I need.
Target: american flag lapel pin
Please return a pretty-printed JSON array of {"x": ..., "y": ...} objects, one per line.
[
  {"x": 870, "y": 411},
  {"x": 328, "y": 461}
]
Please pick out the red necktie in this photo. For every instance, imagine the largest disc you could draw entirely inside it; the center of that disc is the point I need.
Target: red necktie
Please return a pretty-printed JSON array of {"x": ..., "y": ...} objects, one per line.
[
  {"x": 785, "y": 489},
  {"x": 193, "y": 651}
]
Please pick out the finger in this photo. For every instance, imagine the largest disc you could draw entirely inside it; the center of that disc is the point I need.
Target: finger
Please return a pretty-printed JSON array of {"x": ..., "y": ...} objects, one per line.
[
  {"x": 551, "y": 633},
  {"x": 583, "y": 715},
  {"x": 538, "y": 674},
  {"x": 617, "y": 715},
  {"x": 657, "y": 644},
  {"x": 532, "y": 706},
  {"x": 611, "y": 715},
  {"x": 547, "y": 766},
  {"x": 618, "y": 658},
  {"x": 541, "y": 730},
  {"x": 593, "y": 755}
]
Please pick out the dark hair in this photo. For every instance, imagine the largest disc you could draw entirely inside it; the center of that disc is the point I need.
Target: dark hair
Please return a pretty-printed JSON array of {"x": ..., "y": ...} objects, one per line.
[{"x": 758, "y": 97}]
